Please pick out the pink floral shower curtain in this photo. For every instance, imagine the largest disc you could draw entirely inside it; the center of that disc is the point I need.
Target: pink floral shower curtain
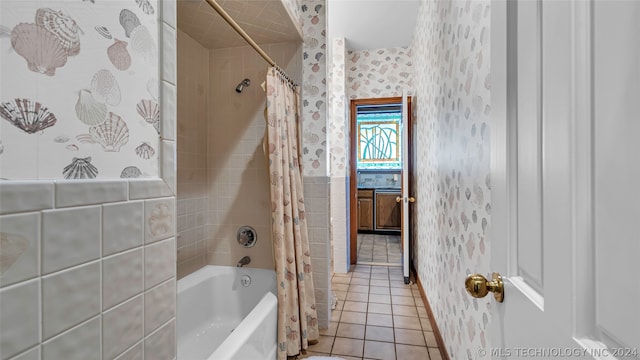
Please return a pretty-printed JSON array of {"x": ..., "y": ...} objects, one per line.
[{"x": 297, "y": 316}]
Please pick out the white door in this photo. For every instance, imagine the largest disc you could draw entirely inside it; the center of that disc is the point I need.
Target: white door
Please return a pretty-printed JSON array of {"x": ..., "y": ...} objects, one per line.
[
  {"x": 565, "y": 179},
  {"x": 405, "y": 187}
]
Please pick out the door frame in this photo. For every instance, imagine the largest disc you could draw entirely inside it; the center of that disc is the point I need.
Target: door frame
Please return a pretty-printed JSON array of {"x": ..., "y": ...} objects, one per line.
[{"x": 353, "y": 183}]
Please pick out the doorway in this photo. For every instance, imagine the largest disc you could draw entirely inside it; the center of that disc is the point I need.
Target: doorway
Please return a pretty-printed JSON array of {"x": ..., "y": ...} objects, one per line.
[{"x": 380, "y": 174}]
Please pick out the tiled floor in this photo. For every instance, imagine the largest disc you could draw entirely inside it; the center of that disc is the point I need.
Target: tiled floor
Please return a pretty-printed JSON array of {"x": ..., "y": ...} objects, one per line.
[
  {"x": 379, "y": 249},
  {"x": 377, "y": 317}
]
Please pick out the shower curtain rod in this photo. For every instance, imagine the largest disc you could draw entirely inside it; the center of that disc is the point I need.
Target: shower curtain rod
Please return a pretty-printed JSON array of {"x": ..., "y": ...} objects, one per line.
[{"x": 248, "y": 38}]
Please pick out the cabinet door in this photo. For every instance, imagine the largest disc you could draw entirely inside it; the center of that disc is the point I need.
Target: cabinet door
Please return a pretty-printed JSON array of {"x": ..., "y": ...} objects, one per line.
[
  {"x": 388, "y": 211},
  {"x": 365, "y": 214}
]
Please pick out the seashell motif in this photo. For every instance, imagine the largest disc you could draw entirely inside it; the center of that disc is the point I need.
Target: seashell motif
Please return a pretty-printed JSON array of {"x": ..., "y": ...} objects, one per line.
[
  {"x": 27, "y": 115},
  {"x": 129, "y": 21},
  {"x": 105, "y": 88},
  {"x": 149, "y": 110},
  {"x": 72, "y": 147},
  {"x": 42, "y": 50},
  {"x": 112, "y": 134},
  {"x": 62, "y": 26},
  {"x": 119, "y": 55},
  {"x": 130, "y": 172},
  {"x": 61, "y": 139},
  {"x": 145, "y": 151},
  {"x": 142, "y": 44},
  {"x": 11, "y": 247},
  {"x": 90, "y": 111},
  {"x": 152, "y": 88},
  {"x": 146, "y": 6},
  {"x": 160, "y": 220},
  {"x": 80, "y": 168},
  {"x": 102, "y": 30}
]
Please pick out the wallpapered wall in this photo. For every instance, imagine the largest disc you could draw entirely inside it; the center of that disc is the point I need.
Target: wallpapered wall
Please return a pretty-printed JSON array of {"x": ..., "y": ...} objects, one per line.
[
  {"x": 379, "y": 72},
  {"x": 451, "y": 54},
  {"x": 86, "y": 106}
]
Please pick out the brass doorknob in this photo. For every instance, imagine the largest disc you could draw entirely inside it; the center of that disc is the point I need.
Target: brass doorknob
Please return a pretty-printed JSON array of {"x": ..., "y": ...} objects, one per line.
[
  {"x": 398, "y": 199},
  {"x": 478, "y": 286},
  {"x": 412, "y": 199}
]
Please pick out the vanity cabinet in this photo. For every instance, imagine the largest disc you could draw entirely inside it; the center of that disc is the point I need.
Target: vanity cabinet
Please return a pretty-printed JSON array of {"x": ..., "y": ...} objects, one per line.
[
  {"x": 365, "y": 210},
  {"x": 388, "y": 211}
]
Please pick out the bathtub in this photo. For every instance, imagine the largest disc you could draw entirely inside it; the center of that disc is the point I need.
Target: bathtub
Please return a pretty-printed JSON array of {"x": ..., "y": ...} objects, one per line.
[{"x": 222, "y": 317}]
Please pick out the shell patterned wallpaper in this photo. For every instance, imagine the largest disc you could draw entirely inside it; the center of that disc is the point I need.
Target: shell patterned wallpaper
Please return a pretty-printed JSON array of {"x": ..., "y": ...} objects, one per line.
[
  {"x": 314, "y": 131},
  {"x": 79, "y": 98},
  {"x": 452, "y": 71},
  {"x": 379, "y": 73},
  {"x": 337, "y": 122}
]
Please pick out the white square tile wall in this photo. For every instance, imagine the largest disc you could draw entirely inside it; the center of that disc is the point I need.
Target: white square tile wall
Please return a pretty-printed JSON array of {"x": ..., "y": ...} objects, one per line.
[
  {"x": 122, "y": 226},
  {"x": 122, "y": 327},
  {"x": 21, "y": 247},
  {"x": 19, "y": 317},
  {"x": 121, "y": 277},
  {"x": 78, "y": 343}
]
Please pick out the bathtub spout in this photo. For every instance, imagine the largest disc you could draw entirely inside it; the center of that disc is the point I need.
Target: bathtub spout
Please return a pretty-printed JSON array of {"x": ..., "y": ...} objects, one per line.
[{"x": 244, "y": 261}]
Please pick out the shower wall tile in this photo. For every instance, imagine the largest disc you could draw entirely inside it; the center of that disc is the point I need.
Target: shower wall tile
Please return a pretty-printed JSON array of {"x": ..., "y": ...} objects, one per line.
[
  {"x": 33, "y": 354},
  {"x": 121, "y": 277},
  {"x": 70, "y": 237},
  {"x": 169, "y": 13},
  {"x": 159, "y": 306},
  {"x": 21, "y": 196},
  {"x": 78, "y": 343},
  {"x": 86, "y": 192},
  {"x": 19, "y": 318},
  {"x": 134, "y": 353},
  {"x": 148, "y": 188},
  {"x": 159, "y": 262},
  {"x": 169, "y": 55},
  {"x": 122, "y": 327},
  {"x": 161, "y": 345},
  {"x": 169, "y": 111},
  {"x": 159, "y": 219},
  {"x": 122, "y": 226},
  {"x": 21, "y": 247},
  {"x": 169, "y": 164},
  {"x": 70, "y": 297}
]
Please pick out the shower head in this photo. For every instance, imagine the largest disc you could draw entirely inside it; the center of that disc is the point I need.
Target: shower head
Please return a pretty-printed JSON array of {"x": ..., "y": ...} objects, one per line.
[{"x": 242, "y": 85}]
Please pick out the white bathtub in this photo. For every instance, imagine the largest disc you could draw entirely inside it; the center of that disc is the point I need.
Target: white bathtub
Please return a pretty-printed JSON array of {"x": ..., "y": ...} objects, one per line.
[{"x": 220, "y": 319}]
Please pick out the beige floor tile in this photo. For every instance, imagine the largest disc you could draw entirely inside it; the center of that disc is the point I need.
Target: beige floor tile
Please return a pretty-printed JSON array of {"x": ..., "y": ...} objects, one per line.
[
  {"x": 362, "y": 268},
  {"x": 379, "y": 282},
  {"x": 360, "y": 281},
  {"x": 340, "y": 287},
  {"x": 358, "y": 306},
  {"x": 331, "y": 330},
  {"x": 353, "y": 317},
  {"x": 410, "y": 352},
  {"x": 379, "y": 350},
  {"x": 379, "y": 308},
  {"x": 401, "y": 291},
  {"x": 406, "y": 322},
  {"x": 379, "y": 333},
  {"x": 381, "y": 277},
  {"x": 357, "y": 296},
  {"x": 340, "y": 280},
  {"x": 379, "y": 270},
  {"x": 335, "y": 275},
  {"x": 402, "y": 300},
  {"x": 422, "y": 312},
  {"x": 335, "y": 315},
  {"x": 341, "y": 295},
  {"x": 354, "y": 331},
  {"x": 379, "y": 320},
  {"x": 419, "y": 302},
  {"x": 398, "y": 283},
  {"x": 426, "y": 324},
  {"x": 359, "y": 288},
  {"x": 312, "y": 353},
  {"x": 339, "y": 305},
  {"x": 382, "y": 299},
  {"x": 404, "y": 310},
  {"x": 435, "y": 354},
  {"x": 410, "y": 337},
  {"x": 430, "y": 337},
  {"x": 360, "y": 275},
  {"x": 381, "y": 290},
  {"x": 350, "y": 347},
  {"x": 323, "y": 346}
]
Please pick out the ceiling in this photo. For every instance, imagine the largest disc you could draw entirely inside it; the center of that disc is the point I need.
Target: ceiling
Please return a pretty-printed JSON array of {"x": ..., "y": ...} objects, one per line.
[
  {"x": 372, "y": 24},
  {"x": 266, "y": 21}
]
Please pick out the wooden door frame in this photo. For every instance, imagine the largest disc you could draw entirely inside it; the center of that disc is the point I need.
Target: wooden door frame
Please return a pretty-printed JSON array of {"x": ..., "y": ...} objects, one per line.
[{"x": 353, "y": 183}]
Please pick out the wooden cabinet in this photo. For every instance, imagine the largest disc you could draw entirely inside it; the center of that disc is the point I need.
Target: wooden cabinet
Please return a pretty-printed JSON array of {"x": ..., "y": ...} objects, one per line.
[
  {"x": 365, "y": 210},
  {"x": 388, "y": 211}
]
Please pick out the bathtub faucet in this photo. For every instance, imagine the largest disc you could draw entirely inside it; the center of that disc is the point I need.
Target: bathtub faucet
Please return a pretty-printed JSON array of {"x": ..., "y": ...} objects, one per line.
[{"x": 244, "y": 261}]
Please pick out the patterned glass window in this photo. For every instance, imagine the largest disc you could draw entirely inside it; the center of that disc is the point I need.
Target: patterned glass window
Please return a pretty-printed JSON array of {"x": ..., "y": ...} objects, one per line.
[{"x": 379, "y": 140}]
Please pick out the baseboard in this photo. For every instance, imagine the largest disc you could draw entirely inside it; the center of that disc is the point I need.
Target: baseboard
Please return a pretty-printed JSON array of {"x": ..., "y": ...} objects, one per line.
[{"x": 432, "y": 320}]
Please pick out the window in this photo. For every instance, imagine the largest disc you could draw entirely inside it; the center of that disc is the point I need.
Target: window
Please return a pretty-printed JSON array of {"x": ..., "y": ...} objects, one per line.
[{"x": 379, "y": 144}]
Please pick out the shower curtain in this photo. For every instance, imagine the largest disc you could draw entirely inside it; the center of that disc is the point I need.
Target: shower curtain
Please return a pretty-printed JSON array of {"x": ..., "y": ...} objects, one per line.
[{"x": 297, "y": 316}]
